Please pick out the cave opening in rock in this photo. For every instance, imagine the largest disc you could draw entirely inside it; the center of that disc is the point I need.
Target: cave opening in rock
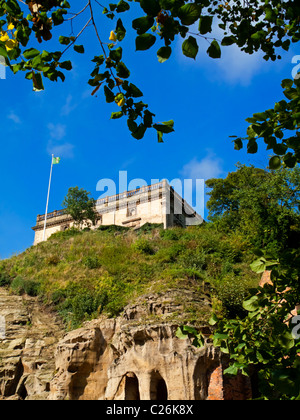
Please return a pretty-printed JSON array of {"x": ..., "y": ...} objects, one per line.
[
  {"x": 132, "y": 387},
  {"x": 158, "y": 387}
]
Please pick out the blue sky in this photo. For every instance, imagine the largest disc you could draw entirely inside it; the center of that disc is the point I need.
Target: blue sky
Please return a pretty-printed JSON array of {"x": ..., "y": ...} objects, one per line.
[{"x": 208, "y": 99}]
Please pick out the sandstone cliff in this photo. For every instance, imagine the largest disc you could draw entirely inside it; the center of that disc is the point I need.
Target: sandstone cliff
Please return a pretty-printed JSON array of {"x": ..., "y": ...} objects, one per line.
[
  {"x": 135, "y": 356},
  {"x": 29, "y": 338}
]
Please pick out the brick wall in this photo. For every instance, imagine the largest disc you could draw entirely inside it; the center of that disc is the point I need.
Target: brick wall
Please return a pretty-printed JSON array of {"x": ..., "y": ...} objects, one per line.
[{"x": 224, "y": 387}]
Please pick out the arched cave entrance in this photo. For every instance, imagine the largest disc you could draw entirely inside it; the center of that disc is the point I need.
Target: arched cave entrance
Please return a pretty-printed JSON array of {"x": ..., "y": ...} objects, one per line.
[
  {"x": 158, "y": 387},
  {"x": 132, "y": 387}
]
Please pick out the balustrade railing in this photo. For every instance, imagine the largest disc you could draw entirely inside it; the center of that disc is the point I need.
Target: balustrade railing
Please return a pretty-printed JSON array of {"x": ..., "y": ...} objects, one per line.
[{"x": 127, "y": 194}]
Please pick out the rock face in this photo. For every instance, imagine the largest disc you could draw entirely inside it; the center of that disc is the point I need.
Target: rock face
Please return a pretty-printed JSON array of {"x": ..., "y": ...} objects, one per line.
[
  {"x": 29, "y": 336},
  {"x": 135, "y": 356}
]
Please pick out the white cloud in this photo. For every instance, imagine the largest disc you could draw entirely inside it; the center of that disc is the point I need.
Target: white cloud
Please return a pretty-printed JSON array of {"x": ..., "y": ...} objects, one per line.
[
  {"x": 57, "y": 131},
  {"x": 208, "y": 167},
  {"x": 68, "y": 107},
  {"x": 238, "y": 67},
  {"x": 234, "y": 66},
  {"x": 65, "y": 150},
  {"x": 56, "y": 145},
  {"x": 14, "y": 117}
]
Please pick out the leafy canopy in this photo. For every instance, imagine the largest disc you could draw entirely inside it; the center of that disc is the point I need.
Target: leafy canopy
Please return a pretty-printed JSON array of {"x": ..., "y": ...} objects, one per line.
[
  {"x": 255, "y": 25},
  {"x": 80, "y": 206},
  {"x": 262, "y": 205}
]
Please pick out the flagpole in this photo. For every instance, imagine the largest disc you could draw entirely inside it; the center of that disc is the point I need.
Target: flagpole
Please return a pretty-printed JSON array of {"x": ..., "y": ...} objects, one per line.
[{"x": 45, "y": 222}]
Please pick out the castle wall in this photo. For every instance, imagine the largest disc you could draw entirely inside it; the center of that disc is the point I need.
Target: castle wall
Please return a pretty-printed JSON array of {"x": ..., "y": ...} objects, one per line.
[{"x": 157, "y": 203}]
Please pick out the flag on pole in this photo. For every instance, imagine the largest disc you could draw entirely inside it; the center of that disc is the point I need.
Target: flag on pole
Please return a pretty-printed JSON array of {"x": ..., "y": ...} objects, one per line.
[{"x": 55, "y": 160}]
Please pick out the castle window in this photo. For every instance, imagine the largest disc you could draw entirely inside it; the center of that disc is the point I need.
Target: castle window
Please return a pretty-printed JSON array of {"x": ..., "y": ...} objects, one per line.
[{"x": 131, "y": 211}]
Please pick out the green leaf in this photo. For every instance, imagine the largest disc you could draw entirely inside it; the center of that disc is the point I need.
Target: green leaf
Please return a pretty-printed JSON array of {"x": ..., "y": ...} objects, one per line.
[
  {"x": 287, "y": 83},
  {"x": 132, "y": 125},
  {"x": 134, "y": 91},
  {"x": 3, "y": 51},
  {"x": 144, "y": 42},
  {"x": 151, "y": 7},
  {"x": 275, "y": 162},
  {"x": 67, "y": 65},
  {"x": 214, "y": 50},
  {"x": 231, "y": 370},
  {"x": 190, "y": 330},
  {"x": 213, "y": 319},
  {"x": 64, "y": 40},
  {"x": 116, "y": 115},
  {"x": 286, "y": 340},
  {"x": 190, "y": 47},
  {"x": 142, "y": 24},
  {"x": 251, "y": 304},
  {"x": 122, "y": 6},
  {"x": 180, "y": 334},
  {"x": 148, "y": 118},
  {"x": 30, "y": 53},
  {"x": 160, "y": 137},
  {"x": 116, "y": 54},
  {"x": 120, "y": 30},
  {"x": 260, "y": 265},
  {"x": 139, "y": 132},
  {"x": 189, "y": 13},
  {"x": 238, "y": 144},
  {"x": 228, "y": 40},
  {"x": 205, "y": 24},
  {"x": 122, "y": 71},
  {"x": 79, "y": 49},
  {"x": 57, "y": 16},
  {"x": 220, "y": 336},
  {"x": 166, "y": 127},
  {"x": 109, "y": 95},
  {"x": 37, "y": 82},
  {"x": 252, "y": 146},
  {"x": 164, "y": 53},
  {"x": 290, "y": 160}
]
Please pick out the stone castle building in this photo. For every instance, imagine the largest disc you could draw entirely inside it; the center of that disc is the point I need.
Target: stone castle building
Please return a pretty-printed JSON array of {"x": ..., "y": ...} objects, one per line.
[{"x": 156, "y": 203}]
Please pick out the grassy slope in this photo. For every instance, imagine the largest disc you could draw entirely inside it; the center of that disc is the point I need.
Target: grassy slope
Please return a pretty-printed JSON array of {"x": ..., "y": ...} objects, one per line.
[{"x": 86, "y": 273}]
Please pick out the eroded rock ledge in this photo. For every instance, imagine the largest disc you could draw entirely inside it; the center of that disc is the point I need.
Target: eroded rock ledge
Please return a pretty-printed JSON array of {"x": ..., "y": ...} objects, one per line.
[{"x": 135, "y": 356}]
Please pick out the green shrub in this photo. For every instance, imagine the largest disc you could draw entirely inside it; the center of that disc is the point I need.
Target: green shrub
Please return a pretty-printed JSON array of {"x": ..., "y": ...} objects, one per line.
[
  {"x": 20, "y": 286},
  {"x": 182, "y": 273},
  {"x": 169, "y": 234},
  {"x": 232, "y": 291},
  {"x": 91, "y": 261},
  {"x": 149, "y": 227},
  {"x": 68, "y": 233},
  {"x": 77, "y": 304},
  {"x": 143, "y": 246},
  {"x": 52, "y": 260},
  {"x": 193, "y": 258},
  {"x": 169, "y": 254},
  {"x": 5, "y": 280},
  {"x": 113, "y": 228}
]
